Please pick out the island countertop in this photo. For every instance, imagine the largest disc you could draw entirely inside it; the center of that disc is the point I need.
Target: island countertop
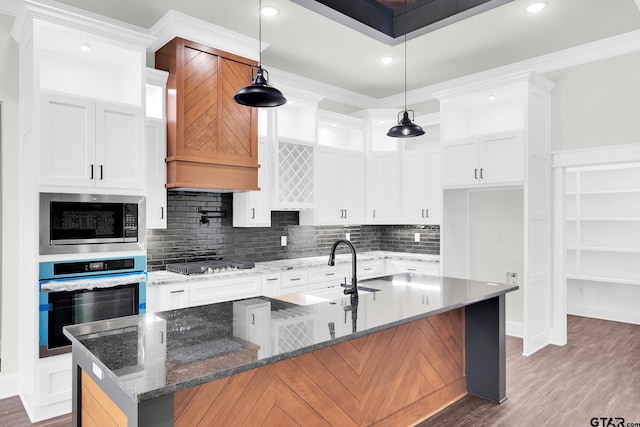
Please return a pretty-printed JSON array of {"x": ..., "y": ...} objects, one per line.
[{"x": 160, "y": 353}]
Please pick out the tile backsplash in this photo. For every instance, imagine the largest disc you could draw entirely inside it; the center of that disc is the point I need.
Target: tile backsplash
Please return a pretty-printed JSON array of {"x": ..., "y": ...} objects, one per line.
[{"x": 186, "y": 238}]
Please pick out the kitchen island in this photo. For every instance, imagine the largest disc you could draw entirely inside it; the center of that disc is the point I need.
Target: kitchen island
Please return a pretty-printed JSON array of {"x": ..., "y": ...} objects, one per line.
[{"x": 410, "y": 346}]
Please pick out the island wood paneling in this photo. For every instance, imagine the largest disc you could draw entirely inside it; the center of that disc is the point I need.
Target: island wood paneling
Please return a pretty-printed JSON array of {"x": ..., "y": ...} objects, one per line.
[
  {"x": 97, "y": 408},
  {"x": 394, "y": 377}
]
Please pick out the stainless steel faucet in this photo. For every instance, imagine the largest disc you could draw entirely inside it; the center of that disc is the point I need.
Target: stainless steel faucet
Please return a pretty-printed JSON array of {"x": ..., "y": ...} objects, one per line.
[{"x": 353, "y": 289}]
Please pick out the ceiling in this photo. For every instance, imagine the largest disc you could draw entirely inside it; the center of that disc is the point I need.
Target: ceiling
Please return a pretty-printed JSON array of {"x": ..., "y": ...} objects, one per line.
[{"x": 309, "y": 44}]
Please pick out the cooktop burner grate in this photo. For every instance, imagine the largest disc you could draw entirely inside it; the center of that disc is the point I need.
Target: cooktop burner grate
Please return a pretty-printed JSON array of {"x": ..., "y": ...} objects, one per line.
[{"x": 208, "y": 267}]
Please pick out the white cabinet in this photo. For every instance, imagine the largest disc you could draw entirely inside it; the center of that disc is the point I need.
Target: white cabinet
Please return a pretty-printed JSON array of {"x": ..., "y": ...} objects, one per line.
[
  {"x": 252, "y": 322},
  {"x": 293, "y": 187},
  {"x": 294, "y": 281},
  {"x": 253, "y": 208},
  {"x": 219, "y": 290},
  {"x": 421, "y": 184},
  {"x": 339, "y": 188},
  {"x": 370, "y": 269},
  {"x": 173, "y": 296},
  {"x": 271, "y": 285},
  {"x": 383, "y": 197},
  {"x": 418, "y": 267},
  {"x": 327, "y": 276},
  {"x": 86, "y": 143},
  {"x": 156, "y": 144},
  {"x": 489, "y": 159}
]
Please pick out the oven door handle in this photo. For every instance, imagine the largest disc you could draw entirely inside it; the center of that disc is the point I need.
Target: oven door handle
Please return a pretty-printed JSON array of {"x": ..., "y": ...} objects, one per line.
[{"x": 89, "y": 282}]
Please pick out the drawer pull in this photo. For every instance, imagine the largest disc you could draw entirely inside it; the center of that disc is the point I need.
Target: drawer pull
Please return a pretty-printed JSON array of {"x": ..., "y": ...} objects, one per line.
[
  {"x": 329, "y": 274},
  {"x": 177, "y": 292},
  {"x": 295, "y": 278},
  {"x": 272, "y": 279},
  {"x": 412, "y": 269},
  {"x": 368, "y": 268}
]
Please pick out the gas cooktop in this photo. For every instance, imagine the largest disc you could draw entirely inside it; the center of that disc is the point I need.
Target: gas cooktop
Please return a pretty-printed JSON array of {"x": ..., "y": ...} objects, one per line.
[{"x": 209, "y": 267}]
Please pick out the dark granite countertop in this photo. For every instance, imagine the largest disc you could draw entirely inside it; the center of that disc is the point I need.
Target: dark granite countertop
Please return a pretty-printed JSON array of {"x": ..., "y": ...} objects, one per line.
[{"x": 155, "y": 354}]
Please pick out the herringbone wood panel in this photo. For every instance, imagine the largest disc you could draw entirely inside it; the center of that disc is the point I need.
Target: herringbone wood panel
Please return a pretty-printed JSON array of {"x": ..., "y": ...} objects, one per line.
[{"x": 394, "y": 377}]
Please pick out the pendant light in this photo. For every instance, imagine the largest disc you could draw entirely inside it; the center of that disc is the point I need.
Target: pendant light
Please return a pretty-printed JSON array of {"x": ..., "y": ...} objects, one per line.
[
  {"x": 405, "y": 127},
  {"x": 259, "y": 93}
]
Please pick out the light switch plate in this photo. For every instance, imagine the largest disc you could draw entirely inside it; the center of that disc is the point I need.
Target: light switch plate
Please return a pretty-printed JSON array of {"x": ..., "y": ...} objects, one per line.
[
  {"x": 416, "y": 237},
  {"x": 283, "y": 240}
]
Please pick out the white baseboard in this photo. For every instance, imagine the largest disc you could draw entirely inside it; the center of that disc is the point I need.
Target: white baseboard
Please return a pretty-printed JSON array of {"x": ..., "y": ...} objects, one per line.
[
  {"x": 514, "y": 329},
  {"x": 9, "y": 385},
  {"x": 604, "y": 314}
]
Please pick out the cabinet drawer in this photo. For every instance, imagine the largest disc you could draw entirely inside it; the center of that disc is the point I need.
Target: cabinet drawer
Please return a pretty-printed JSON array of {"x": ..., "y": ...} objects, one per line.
[
  {"x": 271, "y": 285},
  {"x": 293, "y": 278},
  {"x": 418, "y": 267},
  {"x": 370, "y": 269},
  {"x": 211, "y": 291},
  {"x": 324, "y": 274}
]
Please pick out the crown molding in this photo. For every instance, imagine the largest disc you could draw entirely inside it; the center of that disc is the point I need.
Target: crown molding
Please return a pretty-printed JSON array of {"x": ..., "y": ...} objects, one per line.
[
  {"x": 177, "y": 24},
  {"x": 590, "y": 52},
  {"x": 156, "y": 77},
  {"x": 71, "y": 17}
]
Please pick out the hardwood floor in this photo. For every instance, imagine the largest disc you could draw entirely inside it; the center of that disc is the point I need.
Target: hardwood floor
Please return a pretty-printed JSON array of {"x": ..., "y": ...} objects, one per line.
[{"x": 597, "y": 374}]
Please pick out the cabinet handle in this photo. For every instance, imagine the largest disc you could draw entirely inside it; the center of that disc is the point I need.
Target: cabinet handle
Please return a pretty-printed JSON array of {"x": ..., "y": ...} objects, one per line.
[
  {"x": 272, "y": 279},
  {"x": 329, "y": 274},
  {"x": 253, "y": 319},
  {"x": 425, "y": 299},
  {"x": 295, "y": 278},
  {"x": 177, "y": 292},
  {"x": 475, "y": 173},
  {"x": 91, "y": 172},
  {"x": 481, "y": 177},
  {"x": 100, "y": 171},
  {"x": 346, "y": 213},
  {"x": 368, "y": 268},
  {"x": 161, "y": 212},
  {"x": 253, "y": 213},
  {"x": 411, "y": 269},
  {"x": 161, "y": 337},
  {"x": 427, "y": 213},
  {"x": 374, "y": 213},
  {"x": 421, "y": 213}
]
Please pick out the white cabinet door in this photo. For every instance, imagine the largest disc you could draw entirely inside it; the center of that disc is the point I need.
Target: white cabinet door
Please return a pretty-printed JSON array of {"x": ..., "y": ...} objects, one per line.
[
  {"x": 329, "y": 183},
  {"x": 433, "y": 214},
  {"x": 353, "y": 187},
  {"x": 156, "y": 144},
  {"x": 488, "y": 159},
  {"x": 460, "y": 163},
  {"x": 502, "y": 158},
  {"x": 415, "y": 182},
  {"x": 91, "y": 144},
  {"x": 119, "y": 149},
  {"x": 383, "y": 195},
  {"x": 252, "y": 208},
  {"x": 67, "y": 152},
  {"x": 173, "y": 296},
  {"x": 252, "y": 322}
]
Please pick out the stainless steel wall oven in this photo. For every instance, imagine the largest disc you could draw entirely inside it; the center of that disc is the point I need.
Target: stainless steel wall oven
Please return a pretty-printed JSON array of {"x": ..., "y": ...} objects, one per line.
[{"x": 73, "y": 292}]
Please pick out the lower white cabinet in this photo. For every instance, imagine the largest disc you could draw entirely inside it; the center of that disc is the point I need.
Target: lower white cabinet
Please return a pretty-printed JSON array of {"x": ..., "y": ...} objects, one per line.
[
  {"x": 271, "y": 285},
  {"x": 418, "y": 267},
  {"x": 219, "y": 290},
  {"x": 326, "y": 276},
  {"x": 294, "y": 281},
  {"x": 252, "y": 321},
  {"x": 370, "y": 269},
  {"x": 173, "y": 296}
]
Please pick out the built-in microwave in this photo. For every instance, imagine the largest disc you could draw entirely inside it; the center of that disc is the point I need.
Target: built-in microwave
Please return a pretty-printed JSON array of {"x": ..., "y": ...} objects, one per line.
[{"x": 82, "y": 223}]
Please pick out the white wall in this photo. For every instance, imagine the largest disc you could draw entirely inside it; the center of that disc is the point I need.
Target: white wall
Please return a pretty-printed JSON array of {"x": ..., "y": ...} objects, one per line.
[
  {"x": 496, "y": 241},
  {"x": 10, "y": 137},
  {"x": 596, "y": 104}
]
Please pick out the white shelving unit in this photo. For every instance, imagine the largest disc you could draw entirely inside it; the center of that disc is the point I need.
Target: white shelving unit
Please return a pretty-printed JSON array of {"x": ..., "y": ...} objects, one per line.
[{"x": 602, "y": 241}]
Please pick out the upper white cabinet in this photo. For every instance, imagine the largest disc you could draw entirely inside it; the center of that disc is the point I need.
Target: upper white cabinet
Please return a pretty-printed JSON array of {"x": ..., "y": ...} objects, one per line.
[
  {"x": 421, "y": 178},
  {"x": 339, "y": 179},
  {"x": 253, "y": 208},
  {"x": 86, "y": 143},
  {"x": 488, "y": 159},
  {"x": 156, "y": 148}
]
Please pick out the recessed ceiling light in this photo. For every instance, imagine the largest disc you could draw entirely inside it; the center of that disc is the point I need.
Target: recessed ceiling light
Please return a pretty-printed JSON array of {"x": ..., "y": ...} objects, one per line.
[
  {"x": 536, "y": 7},
  {"x": 269, "y": 11},
  {"x": 492, "y": 97},
  {"x": 85, "y": 47},
  {"x": 386, "y": 60}
]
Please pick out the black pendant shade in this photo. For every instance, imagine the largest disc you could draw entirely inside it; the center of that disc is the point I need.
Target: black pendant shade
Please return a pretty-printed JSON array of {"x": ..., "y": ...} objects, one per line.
[
  {"x": 259, "y": 93},
  {"x": 405, "y": 127}
]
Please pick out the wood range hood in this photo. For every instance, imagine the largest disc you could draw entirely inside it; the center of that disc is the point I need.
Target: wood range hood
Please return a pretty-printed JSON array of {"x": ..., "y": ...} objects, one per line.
[{"x": 212, "y": 142}]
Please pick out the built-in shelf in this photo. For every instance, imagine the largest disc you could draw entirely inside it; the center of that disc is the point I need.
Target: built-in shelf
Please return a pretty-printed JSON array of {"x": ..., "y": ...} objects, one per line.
[{"x": 603, "y": 279}]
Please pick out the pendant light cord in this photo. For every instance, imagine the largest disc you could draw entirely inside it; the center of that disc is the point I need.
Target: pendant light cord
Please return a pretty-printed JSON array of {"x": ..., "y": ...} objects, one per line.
[
  {"x": 260, "y": 33},
  {"x": 405, "y": 55}
]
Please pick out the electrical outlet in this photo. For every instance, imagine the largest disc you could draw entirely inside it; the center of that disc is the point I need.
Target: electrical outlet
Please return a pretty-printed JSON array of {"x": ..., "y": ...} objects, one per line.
[
  {"x": 283, "y": 240},
  {"x": 416, "y": 237},
  {"x": 512, "y": 278},
  {"x": 347, "y": 236}
]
